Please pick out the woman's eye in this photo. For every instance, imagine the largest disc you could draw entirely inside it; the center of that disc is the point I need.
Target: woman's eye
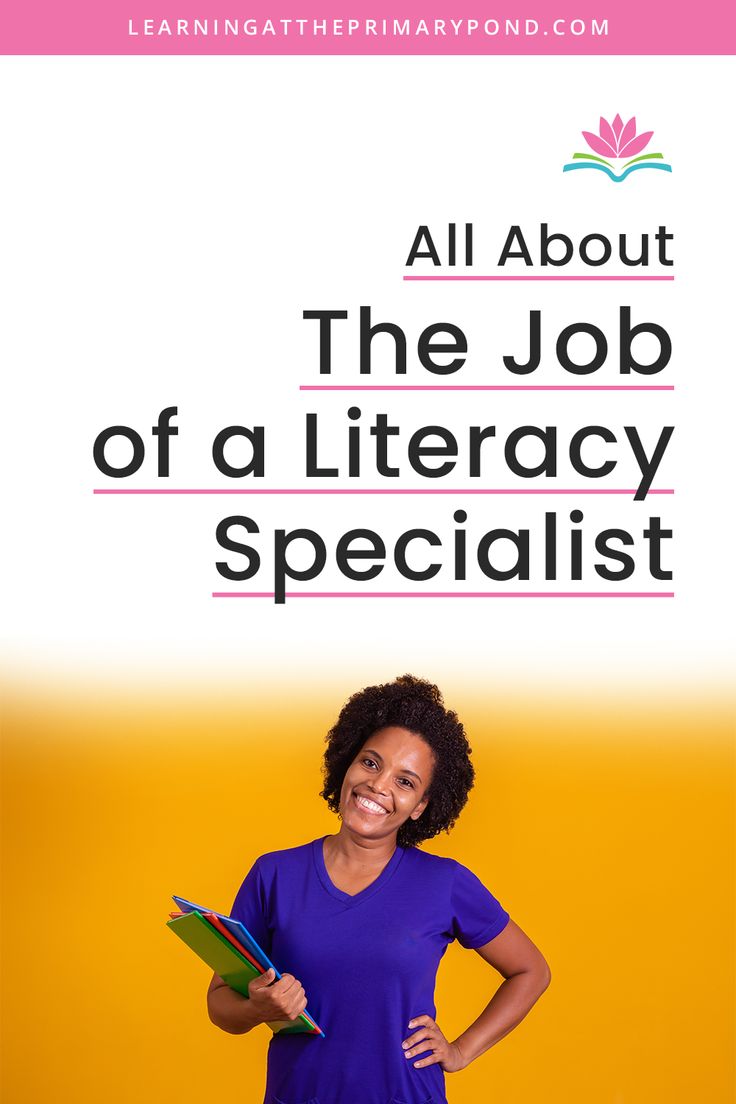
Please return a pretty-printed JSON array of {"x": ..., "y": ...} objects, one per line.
[
  {"x": 369, "y": 763},
  {"x": 406, "y": 783}
]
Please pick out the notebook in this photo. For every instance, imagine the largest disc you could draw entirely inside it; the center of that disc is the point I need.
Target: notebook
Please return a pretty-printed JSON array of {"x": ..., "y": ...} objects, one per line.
[{"x": 229, "y": 949}]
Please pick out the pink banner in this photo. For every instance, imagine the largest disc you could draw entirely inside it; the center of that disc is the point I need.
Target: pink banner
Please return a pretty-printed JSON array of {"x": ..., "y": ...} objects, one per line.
[{"x": 359, "y": 27}]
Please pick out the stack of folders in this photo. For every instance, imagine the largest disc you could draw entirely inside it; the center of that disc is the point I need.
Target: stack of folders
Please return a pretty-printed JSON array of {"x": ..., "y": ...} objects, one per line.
[{"x": 230, "y": 950}]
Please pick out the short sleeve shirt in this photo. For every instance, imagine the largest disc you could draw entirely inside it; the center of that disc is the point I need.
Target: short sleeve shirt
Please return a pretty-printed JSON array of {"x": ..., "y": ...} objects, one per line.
[{"x": 368, "y": 964}]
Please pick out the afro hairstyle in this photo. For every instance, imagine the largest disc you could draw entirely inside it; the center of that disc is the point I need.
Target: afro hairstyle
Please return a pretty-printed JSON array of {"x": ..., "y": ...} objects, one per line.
[{"x": 416, "y": 705}]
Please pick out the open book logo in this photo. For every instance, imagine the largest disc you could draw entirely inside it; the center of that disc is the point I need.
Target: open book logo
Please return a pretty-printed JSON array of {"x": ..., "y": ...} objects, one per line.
[{"x": 620, "y": 149}]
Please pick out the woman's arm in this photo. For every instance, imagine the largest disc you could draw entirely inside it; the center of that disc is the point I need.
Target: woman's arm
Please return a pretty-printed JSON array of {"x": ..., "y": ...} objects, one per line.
[
  {"x": 267, "y": 1002},
  {"x": 526, "y": 976}
]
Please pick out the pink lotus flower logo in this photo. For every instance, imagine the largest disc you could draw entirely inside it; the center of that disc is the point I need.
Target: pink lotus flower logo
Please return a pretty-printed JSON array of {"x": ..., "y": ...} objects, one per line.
[{"x": 616, "y": 140}]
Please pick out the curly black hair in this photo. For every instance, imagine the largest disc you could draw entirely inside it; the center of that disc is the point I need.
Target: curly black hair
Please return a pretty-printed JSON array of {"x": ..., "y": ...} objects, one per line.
[{"x": 417, "y": 705}]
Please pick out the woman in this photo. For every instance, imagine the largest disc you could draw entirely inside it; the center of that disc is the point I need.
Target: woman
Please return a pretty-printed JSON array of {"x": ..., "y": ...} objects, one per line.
[{"x": 362, "y": 918}]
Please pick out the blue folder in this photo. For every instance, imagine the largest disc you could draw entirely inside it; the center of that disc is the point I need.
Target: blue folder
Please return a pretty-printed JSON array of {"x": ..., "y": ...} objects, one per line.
[
  {"x": 237, "y": 929},
  {"x": 246, "y": 940}
]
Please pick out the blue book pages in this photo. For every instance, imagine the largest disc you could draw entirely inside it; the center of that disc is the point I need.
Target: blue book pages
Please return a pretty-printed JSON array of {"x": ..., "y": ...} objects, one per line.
[{"x": 237, "y": 929}]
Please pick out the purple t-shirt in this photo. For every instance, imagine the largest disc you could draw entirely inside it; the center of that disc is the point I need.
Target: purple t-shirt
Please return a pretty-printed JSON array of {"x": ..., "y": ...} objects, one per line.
[{"x": 368, "y": 964}]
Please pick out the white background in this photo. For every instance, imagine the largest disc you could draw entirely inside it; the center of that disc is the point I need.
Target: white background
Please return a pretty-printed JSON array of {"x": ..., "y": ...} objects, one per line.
[{"x": 165, "y": 222}]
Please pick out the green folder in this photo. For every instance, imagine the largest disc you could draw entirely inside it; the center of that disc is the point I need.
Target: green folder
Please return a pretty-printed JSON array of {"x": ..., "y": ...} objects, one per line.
[{"x": 225, "y": 960}]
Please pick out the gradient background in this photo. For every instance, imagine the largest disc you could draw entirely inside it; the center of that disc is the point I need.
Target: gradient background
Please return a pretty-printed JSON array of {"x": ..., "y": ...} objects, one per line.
[{"x": 604, "y": 826}]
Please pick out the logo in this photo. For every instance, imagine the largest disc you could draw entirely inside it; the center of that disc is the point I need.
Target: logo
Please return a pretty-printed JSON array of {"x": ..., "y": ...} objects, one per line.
[{"x": 622, "y": 144}]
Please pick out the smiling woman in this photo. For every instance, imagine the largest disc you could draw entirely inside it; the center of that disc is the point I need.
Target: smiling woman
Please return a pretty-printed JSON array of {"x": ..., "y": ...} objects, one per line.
[{"x": 364, "y": 917}]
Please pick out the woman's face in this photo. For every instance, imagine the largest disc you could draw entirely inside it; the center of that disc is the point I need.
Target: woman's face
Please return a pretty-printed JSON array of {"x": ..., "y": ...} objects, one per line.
[{"x": 387, "y": 783}]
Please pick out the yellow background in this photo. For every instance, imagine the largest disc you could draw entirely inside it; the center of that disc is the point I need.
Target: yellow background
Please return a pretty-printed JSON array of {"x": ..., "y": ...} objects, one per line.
[{"x": 605, "y": 827}]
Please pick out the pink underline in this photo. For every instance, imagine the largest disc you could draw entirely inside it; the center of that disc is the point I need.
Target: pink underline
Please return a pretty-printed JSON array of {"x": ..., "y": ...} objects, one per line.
[
  {"x": 512, "y": 278},
  {"x": 483, "y": 387},
  {"x": 374, "y": 491},
  {"x": 445, "y": 594}
]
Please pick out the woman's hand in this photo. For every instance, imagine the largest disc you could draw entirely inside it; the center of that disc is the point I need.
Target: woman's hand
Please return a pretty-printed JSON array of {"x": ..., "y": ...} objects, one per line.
[
  {"x": 282, "y": 1000},
  {"x": 430, "y": 1037}
]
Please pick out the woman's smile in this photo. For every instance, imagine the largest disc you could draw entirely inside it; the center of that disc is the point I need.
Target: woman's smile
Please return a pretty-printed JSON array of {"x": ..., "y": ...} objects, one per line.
[
  {"x": 388, "y": 780},
  {"x": 369, "y": 805}
]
